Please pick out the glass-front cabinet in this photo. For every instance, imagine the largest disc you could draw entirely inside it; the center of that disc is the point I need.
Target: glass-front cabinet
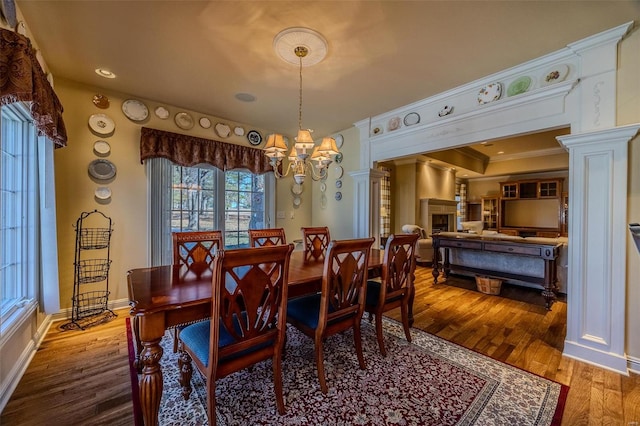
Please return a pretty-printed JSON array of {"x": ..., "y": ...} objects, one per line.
[
  {"x": 565, "y": 215},
  {"x": 549, "y": 189},
  {"x": 490, "y": 213},
  {"x": 509, "y": 190}
]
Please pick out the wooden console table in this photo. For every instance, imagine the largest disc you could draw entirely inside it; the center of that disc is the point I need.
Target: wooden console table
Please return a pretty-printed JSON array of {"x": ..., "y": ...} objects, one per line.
[{"x": 547, "y": 252}]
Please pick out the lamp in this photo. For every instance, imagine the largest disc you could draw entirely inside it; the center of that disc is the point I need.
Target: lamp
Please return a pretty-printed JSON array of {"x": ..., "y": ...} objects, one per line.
[{"x": 305, "y": 158}]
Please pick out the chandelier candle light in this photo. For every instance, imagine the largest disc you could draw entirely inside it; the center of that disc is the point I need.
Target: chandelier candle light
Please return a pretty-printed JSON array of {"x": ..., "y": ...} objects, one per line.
[{"x": 293, "y": 45}]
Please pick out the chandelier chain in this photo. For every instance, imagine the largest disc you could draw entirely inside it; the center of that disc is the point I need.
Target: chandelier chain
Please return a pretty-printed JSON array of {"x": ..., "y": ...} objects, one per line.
[{"x": 300, "y": 105}]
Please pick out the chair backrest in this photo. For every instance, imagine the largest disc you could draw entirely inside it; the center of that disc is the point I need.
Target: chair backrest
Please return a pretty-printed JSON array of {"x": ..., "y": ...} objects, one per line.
[
  {"x": 315, "y": 240},
  {"x": 196, "y": 247},
  {"x": 266, "y": 237},
  {"x": 399, "y": 265},
  {"x": 250, "y": 293},
  {"x": 344, "y": 280}
]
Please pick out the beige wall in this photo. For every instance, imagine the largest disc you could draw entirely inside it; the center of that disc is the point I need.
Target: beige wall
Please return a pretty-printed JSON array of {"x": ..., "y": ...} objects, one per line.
[
  {"x": 405, "y": 204},
  {"x": 128, "y": 206},
  {"x": 338, "y": 215},
  {"x": 435, "y": 182},
  {"x": 413, "y": 180}
]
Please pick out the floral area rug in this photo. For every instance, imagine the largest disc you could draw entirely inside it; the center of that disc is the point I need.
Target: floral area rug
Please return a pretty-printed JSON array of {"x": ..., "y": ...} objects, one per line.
[{"x": 427, "y": 382}]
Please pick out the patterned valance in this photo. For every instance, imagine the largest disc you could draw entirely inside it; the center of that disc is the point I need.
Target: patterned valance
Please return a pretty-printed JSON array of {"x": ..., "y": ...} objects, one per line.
[
  {"x": 22, "y": 80},
  {"x": 188, "y": 151}
]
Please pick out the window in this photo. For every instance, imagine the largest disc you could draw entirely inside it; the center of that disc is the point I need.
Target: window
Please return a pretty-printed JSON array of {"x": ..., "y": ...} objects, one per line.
[
  {"x": 243, "y": 206},
  {"x": 193, "y": 199},
  {"x": 14, "y": 227},
  {"x": 28, "y": 252},
  {"x": 205, "y": 198}
]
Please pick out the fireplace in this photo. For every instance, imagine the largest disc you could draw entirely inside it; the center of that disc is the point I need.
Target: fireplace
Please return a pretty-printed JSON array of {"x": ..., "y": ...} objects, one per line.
[
  {"x": 437, "y": 215},
  {"x": 439, "y": 222}
]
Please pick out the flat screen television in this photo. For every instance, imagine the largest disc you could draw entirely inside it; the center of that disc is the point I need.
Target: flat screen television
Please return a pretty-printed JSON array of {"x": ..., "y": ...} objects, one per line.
[{"x": 538, "y": 213}]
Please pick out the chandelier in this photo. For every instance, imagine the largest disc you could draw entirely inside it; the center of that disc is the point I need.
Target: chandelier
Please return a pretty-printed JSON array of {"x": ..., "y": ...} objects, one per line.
[{"x": 305, "y": 157}]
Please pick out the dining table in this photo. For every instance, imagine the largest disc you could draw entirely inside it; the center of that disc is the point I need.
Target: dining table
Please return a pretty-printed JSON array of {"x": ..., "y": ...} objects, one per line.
[{"x": 162, "y": 297}]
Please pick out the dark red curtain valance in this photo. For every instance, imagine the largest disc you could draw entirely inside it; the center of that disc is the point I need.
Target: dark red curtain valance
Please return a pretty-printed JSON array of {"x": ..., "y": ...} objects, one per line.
[
  {"x": 22, "y": 80},
  {"x": 188, "y": 151}
]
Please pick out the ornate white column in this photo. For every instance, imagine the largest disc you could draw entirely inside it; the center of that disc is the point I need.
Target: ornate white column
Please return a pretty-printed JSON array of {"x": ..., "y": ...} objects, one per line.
[{"x": 598, "y": 163}]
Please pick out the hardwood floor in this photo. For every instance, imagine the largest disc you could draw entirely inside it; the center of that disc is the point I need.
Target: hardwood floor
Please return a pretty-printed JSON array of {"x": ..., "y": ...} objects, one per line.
[{"x": 82, "y": 377}]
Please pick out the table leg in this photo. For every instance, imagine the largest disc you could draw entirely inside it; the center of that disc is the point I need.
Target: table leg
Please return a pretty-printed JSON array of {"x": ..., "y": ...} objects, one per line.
[
  {"x": 436, "y": 261},
  {"x": 136, "y": 335},
  {"x": 549, "y": 283},
  {"x": 151, "y": 332}
]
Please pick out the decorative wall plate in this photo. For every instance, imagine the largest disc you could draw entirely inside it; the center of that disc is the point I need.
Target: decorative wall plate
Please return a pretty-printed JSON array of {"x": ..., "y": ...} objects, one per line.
[
  {"x": 554, "y": 74},
  {"x": 338, "y": 158},
  {"x": 135, "y": 110},
  {"x": 394, "y": 124},
  {"x": 411, "y": 119},
  {"x": 446, "y": 110},
  {"x": 162, "y": 113},
  {"x": 297, "y": 201},
  {"x": 323, "y": 187},
  {"x": 102, "y": 124},
  {"x": 489, "y": 93},
  {"x": 339, "y": 140},
  {"x": 323, "y": 201},
  {"x": 338, "y": 196},
  {"x": 223, "y": 130},
  {"x": 519, "y": 86},
  {"x": 238, "y": 130},
  {"x": 102, "y": 169},
  {"x": 338, "y": 184},
  {"x": 101, "y": 101},
  {"x": 204, "y": 122},
  {"x": 103, "y": 193},
  {"x": 184, "y": 120},
  {"x": 339, "y": 172},
  {"x": 254, "y": 137},
  {"x": 101, "y": 147},
  {"x": 377, "y": 131}
]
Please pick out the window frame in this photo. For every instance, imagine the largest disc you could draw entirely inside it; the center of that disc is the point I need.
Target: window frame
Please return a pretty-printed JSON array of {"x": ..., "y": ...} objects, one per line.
[
  {"x": 23, "y": 180},
  {"x": 159, "y": 180}
]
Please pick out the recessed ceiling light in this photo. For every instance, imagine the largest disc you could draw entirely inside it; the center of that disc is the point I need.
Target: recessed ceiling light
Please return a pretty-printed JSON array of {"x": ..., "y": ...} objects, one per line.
[
  {"x": 102, "y": 72},
  {"x": 500, "y": 152},
  {"x": 245, "y": 97}
]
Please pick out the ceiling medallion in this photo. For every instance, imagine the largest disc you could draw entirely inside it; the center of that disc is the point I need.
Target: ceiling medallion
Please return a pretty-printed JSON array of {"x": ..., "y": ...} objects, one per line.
[{"x": 286, "y": 42}]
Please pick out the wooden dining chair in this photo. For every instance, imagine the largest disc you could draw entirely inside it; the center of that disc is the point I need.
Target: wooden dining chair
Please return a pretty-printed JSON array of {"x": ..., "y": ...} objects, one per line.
[
  {"x": 395, "y": 287},
  {"x": 315, "y": 241},
  {"x": 248, "y": 320},
  {"x": 194, "y": 247},
  {"x": 340, "y": 304},
  {"x": 266, "y": 237}
]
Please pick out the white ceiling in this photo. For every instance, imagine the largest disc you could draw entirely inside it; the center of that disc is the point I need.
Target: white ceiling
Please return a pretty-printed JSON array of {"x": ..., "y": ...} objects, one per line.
[{"x": 382, "y": 54}]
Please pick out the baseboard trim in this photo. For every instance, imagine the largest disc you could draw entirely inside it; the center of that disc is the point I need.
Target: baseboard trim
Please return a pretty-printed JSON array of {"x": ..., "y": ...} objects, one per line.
[
  {"x": 19, "y": 368},
  {"x": 633, "y": 364},
  {"x": 606, "y": 360},
  {"x": 66, "y": 314}
]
